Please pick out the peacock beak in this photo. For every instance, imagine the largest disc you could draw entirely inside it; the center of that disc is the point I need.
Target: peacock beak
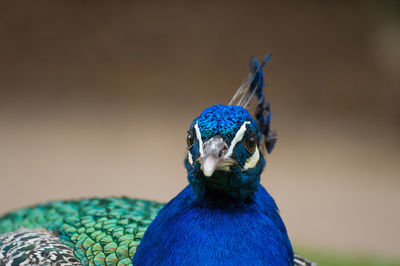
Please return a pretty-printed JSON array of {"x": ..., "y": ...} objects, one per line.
[{"x": 214, "y": 151}]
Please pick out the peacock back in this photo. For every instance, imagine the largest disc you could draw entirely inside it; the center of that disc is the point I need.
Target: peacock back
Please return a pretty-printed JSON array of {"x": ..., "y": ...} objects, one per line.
[{"x": 97, "y": 231}]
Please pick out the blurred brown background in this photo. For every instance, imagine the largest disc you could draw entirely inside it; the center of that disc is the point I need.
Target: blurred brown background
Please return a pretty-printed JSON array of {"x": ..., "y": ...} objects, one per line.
[{"x": 96, "y": 98}]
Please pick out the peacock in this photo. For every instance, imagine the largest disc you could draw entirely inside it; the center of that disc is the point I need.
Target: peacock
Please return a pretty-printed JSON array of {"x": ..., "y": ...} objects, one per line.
[{"x": 223, "y": 217}]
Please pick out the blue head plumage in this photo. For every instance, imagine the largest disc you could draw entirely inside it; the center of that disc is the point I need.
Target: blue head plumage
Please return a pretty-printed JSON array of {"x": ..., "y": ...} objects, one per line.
[
  {"x": 223, "y": 155},
  {"x": 225, "y": 142}
]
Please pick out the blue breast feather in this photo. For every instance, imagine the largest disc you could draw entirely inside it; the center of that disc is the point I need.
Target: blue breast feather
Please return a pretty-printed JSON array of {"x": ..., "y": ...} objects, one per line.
[{"x": 190, "y": 230}]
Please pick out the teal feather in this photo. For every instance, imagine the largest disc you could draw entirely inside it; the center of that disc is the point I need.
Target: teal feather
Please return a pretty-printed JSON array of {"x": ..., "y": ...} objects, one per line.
[{"x": 101, "y": 231}]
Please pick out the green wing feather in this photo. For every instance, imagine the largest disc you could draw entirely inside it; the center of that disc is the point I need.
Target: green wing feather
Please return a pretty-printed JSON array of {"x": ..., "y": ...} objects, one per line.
[
  {"x": 98, "y": 231},
  {"x": 101, "y": 231}
]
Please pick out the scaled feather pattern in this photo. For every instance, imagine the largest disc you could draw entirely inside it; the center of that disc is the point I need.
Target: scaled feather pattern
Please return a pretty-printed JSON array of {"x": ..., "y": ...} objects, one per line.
[{"x": 99, "y": 231}]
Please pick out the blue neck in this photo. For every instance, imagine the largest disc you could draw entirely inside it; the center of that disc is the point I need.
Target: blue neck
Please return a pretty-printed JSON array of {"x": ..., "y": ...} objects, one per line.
[{"x": 212, "y": 230}]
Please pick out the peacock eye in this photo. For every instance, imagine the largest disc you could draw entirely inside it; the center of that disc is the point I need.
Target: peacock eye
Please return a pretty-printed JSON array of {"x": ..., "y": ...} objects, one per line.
[
  {"x": 250, "y": 143},
  {"x": 190, "y": 140}
]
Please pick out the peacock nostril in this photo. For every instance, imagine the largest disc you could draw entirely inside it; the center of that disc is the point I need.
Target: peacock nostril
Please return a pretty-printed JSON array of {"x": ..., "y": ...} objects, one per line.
[{"x": 223, "y": 151}]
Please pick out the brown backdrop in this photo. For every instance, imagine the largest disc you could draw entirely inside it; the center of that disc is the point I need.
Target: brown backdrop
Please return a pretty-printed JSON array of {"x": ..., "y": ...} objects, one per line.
[{"x": 95, "y": 99}]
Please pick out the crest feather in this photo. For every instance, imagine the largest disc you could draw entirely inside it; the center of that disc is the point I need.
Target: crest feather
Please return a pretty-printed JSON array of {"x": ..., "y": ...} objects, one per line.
[{"x": 245, "y": 94}]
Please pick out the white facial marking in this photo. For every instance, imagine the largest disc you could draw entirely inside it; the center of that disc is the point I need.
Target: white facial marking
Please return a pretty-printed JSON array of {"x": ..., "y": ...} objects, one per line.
[
  {"x": 252, "y": 160},
  {"x": 190, "y": 157},
  {"x": 198, "y": 135},
  {"x": 238, "y": 137}
]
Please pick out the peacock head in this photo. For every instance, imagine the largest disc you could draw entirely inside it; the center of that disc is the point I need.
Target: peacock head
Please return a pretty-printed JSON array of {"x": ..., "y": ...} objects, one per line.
[
  {"x": 223, "y": 152},
  {"x": 223, "y": 143}
]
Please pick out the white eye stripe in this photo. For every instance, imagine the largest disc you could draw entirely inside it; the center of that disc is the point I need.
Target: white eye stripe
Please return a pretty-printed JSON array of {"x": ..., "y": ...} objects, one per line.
[
  {"x": 190, "y": 158},
  {"x": 238, "y": 137},
  {"x": 198, "y": 135},
  {"x": 252, "y": 161}
]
